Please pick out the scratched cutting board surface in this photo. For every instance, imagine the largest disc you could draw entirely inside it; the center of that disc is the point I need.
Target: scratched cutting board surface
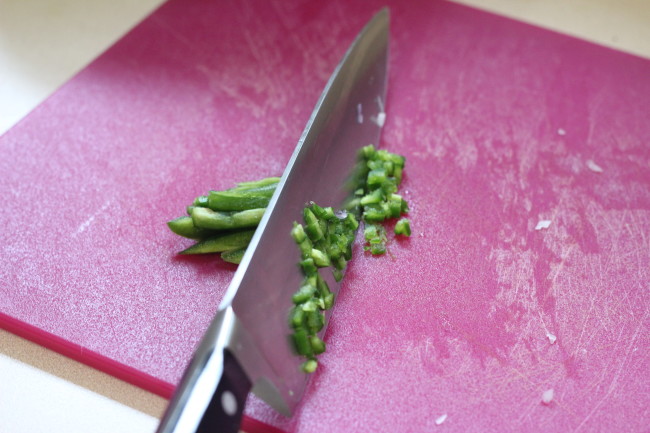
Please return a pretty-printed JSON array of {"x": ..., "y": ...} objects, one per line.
[{"x": 474, "y": 317}]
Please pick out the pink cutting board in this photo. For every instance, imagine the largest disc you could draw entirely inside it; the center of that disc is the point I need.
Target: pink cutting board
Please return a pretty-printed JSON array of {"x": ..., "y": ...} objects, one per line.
[{"x": 503, "y": 125}]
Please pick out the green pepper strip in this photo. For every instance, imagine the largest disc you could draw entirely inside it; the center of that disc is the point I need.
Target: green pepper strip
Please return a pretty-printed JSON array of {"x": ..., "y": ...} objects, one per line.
[
  {"x": 221, "y": 243},
  {"x": 247, "y": 195},
  {"x": 234, "y": 256},
  {"x": 208, "y": 219},
  {"x": 184, "y": 226}
]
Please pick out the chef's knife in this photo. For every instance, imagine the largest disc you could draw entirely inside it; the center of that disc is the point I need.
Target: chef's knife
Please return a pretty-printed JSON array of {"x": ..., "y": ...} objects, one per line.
[{"x": 248, "y": 343}]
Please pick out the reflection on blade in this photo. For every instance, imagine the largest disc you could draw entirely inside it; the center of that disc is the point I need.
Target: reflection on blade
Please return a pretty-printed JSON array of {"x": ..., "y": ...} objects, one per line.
[{"x": 348, "y": 116}]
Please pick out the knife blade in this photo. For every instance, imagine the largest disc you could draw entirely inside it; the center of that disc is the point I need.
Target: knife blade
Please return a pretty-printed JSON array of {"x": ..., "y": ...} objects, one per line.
[{"x": 247, "y": 345}]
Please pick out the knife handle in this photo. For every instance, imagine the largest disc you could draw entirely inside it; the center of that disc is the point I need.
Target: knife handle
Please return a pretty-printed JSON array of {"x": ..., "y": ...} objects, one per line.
[
  {"x": 212, "y": 393},
  {"x": 224, "y": 413}
]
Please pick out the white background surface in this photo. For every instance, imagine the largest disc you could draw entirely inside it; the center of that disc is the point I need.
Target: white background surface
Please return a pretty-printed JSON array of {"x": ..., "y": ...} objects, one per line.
[
  {"x": 43, "y": 43},
  {"x": 32, "y": 401}
]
